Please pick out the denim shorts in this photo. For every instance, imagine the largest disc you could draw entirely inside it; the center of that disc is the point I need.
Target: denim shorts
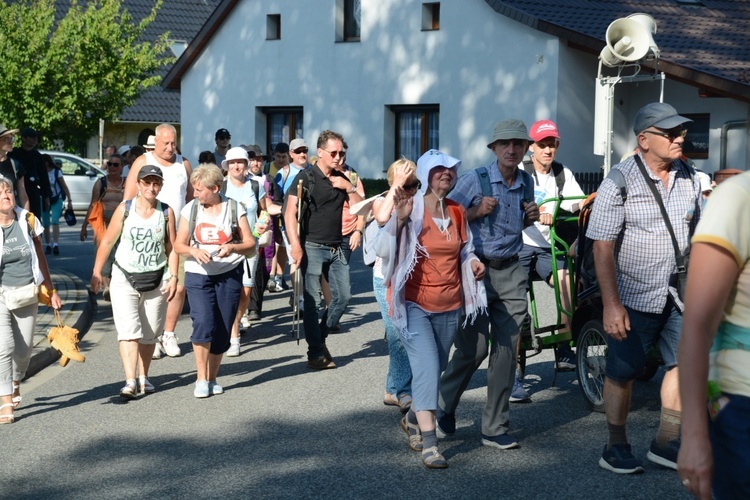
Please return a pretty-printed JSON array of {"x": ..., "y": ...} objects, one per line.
[{"x": 626, "y": 358}]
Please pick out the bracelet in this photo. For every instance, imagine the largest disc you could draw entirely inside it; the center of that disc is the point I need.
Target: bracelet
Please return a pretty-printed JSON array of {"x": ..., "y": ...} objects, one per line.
[
  {"x": 54, "y": 290},
  {"x": 359, "y": 231},
  {"x": 175, "y": 277}
]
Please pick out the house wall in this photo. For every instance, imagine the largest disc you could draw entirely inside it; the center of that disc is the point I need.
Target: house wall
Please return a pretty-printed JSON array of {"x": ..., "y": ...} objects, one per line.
[{"x": 480, "y": 67}]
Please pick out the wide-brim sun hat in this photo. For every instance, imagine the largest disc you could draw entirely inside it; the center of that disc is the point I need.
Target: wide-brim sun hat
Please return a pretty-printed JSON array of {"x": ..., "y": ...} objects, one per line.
[
  {"x": 235, "y": 153},
  {"x": 431, "y": 159}
]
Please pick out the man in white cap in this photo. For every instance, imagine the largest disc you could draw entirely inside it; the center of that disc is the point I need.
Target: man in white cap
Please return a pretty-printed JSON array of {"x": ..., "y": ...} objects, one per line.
[
  {"x": 499, "y": 203},
  {"x": 638, "y": 273},
  {"x": 551, "y": 180},
  {"x": 176, "y": 192}
]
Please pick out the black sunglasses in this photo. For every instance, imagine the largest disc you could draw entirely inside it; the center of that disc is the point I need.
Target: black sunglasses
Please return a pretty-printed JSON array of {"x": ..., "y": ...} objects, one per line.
[
  {"x": 113, "y": 164},
  {"x": 413, "y": 185},
  {"x": 300, "y": 151}
]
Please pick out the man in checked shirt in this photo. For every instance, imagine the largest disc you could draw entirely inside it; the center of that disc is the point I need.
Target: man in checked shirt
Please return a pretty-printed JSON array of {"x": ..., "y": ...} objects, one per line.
[{"x": 635, "y": 258}]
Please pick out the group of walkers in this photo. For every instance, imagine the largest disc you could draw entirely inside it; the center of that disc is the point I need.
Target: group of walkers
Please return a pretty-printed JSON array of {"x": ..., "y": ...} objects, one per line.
[{"x": 451, "y": 272}]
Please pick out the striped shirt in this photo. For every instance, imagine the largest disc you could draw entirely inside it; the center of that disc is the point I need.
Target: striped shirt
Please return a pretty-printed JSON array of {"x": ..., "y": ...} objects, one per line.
[
  {"x": 502, "y": 238},
  {"x": 644, "y": 254}
]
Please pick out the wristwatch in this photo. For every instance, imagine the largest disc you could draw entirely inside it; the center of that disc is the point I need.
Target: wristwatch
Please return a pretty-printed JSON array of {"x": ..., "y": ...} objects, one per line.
[{"x": 352, "y": 190}]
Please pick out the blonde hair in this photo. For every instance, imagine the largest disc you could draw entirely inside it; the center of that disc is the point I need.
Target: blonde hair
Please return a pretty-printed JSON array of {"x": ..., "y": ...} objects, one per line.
[
  {"x": 401, "y": 161},
  {"x": 207, "y": 174}
]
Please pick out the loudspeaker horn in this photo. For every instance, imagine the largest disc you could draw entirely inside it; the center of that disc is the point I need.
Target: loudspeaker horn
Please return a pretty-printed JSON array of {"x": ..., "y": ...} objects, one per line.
[
  {"x": 627, "y": 41},
  {"x": 649, "y": 23}
]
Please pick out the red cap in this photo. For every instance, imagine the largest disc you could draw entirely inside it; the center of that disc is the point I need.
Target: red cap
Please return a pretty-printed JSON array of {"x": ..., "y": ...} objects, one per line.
[{"x": 543, "y": 129}]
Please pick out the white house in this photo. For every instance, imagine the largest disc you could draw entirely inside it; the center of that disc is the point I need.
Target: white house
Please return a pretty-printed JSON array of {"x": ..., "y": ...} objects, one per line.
[{"x": 399, "y": 76}]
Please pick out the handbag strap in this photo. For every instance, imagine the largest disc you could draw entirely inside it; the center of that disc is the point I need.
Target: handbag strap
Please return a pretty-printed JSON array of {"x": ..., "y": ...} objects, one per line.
[{"x": 679, "y": 260}]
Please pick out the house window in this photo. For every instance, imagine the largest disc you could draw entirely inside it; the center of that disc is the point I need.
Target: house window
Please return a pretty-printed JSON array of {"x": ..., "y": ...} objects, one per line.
[
  {"x": 417, "y": 130},
  {"x": 282, "y": 125},
  {"x": 696, "y": 140},
  {"x": 348, "y": 20},
  {"x": 273, "y": 27},
  {"x": 431, "y": 16}
]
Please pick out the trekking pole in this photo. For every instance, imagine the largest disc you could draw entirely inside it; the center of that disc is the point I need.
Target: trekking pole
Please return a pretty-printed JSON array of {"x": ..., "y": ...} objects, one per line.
[{"x": 297, "y": 297}]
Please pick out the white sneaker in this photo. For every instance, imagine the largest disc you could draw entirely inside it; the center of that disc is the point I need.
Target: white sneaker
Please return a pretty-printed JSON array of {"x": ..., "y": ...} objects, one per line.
[
  {"x": 234, "y": 350},
  {"x": 169, "y": 344},
  {"x": 245, "y": 322},
  {"x": 158, "y": 351}
]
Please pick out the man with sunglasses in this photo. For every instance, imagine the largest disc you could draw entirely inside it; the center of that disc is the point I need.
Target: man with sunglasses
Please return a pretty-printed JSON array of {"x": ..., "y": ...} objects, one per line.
[
  {"x": 636, "y": 267},
  {"x": 318, "y": 248},
  {"x": 222, "y": 138}
]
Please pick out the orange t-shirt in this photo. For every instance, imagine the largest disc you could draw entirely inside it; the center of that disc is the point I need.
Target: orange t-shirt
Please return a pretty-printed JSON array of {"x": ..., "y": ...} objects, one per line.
[{"x": 435, "y": 282}]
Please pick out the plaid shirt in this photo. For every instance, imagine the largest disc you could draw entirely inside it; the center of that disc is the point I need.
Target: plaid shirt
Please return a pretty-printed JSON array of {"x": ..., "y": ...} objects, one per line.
[
  {"x": 502, "y": 238},
  {"x": 644, "y": 254}
]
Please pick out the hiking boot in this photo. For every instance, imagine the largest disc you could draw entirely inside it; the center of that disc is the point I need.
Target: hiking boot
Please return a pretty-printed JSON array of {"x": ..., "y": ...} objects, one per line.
[
  {"x": 321, "y": 363},
  {"x": 65, "y": 341},
  {"x": 664, "y": 455},
  {"x": 620, "y": 460}
]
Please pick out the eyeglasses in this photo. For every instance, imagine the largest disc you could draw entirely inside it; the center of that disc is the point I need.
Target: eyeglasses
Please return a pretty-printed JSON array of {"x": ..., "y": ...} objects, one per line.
[
  {"x": 334, "y": 154},
  {"x": 151, "y": 183},
  {"x": 8, "y": 138},
  {"x": 412, "y": 186},
  {"x": 113, "y": 164},
  {"x": 670, "y": 134},
  {"x": 300, "y": 151}
]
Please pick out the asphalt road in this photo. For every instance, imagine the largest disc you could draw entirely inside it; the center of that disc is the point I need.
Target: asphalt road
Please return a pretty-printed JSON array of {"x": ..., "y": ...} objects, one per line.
[{"x": 283, "y": 431}]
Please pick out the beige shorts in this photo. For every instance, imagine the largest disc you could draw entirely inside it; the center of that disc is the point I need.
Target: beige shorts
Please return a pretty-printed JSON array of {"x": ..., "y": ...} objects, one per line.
[{"x": 137, "y": 315}]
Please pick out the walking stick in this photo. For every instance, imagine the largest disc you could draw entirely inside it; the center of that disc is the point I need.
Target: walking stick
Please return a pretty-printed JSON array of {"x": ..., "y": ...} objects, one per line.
[{"x": 298, "y": 301}]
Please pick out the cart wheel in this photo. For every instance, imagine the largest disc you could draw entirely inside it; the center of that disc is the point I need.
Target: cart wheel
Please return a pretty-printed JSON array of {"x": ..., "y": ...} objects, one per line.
[{"x": 591, "y": 353}]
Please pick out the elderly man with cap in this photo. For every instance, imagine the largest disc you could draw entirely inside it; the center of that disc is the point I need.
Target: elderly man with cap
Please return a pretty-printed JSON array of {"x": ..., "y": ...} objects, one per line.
[
  {"x": 175, "y": 192},
  {"x": 551, "y": 180},
  {"x": 11, "y": 168},
  {"x": 638, "y": 273},
  {"x": 36, "y": 180},
  {"x": 499, "y": 203},
  {"x": 222, "y": 138}
]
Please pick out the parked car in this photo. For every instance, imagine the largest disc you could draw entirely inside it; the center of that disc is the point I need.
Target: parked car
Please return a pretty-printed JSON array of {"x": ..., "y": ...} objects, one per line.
[{"x": 80, "y": 177}]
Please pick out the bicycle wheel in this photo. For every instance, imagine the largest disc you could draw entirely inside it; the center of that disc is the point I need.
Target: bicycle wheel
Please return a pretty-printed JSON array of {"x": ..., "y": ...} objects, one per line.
[{"x": 591, "y": 360}]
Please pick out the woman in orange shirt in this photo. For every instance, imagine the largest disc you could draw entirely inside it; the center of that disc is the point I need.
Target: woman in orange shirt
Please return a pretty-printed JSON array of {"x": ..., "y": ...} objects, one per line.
[{"x": 433, "y": 279}]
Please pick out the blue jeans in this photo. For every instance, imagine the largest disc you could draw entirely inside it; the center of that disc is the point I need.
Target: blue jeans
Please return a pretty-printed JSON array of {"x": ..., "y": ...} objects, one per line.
[
  {"x": 398, "y": 379},
  {"x": 730, "y": 440},
  {"x": 428, "y": 351},
  {"x": 320, "y": 259},
  {"x": 626, "y": 358}
]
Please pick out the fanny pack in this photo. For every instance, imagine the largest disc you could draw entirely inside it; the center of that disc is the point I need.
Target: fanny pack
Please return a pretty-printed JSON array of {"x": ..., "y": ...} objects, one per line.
[
  {"x": 143, "y": 282},
  {"x": 18, "y": 297}
]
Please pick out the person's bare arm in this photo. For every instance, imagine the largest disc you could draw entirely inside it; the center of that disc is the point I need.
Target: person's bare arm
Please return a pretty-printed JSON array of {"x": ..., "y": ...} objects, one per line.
[
  {"x": 615, "y": 321},
  {"x": 290, "y": 225},
  {"x": 713, "y": 271},
  {"x": 188, "y": 170}
]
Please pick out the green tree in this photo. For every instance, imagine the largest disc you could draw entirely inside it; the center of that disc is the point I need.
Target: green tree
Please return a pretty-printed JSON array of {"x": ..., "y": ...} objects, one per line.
[{"x": 61, "y": 75}]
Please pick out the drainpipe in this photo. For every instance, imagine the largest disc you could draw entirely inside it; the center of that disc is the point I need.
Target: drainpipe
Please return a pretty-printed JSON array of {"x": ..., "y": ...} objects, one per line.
[{"x": 724, "y": 131}]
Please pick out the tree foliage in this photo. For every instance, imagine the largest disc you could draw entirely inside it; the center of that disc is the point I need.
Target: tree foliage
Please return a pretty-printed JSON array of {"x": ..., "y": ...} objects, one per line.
[{"x": 62, "y": 75}]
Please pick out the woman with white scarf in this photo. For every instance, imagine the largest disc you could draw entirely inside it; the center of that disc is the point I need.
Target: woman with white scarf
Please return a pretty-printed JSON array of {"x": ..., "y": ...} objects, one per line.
[{"x": 433, "y": 279}]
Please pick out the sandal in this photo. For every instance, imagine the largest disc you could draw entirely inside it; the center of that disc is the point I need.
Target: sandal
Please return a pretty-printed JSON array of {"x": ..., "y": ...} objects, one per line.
[
  {"x": 415, "y": 437},
  {"x": 432, "y": 459},
  {"x": 9, "y": 418},
  {"x": 404, "y": 402},
  {"x": 16, "y": 399},
  {"x": 390, "y": 400}
]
